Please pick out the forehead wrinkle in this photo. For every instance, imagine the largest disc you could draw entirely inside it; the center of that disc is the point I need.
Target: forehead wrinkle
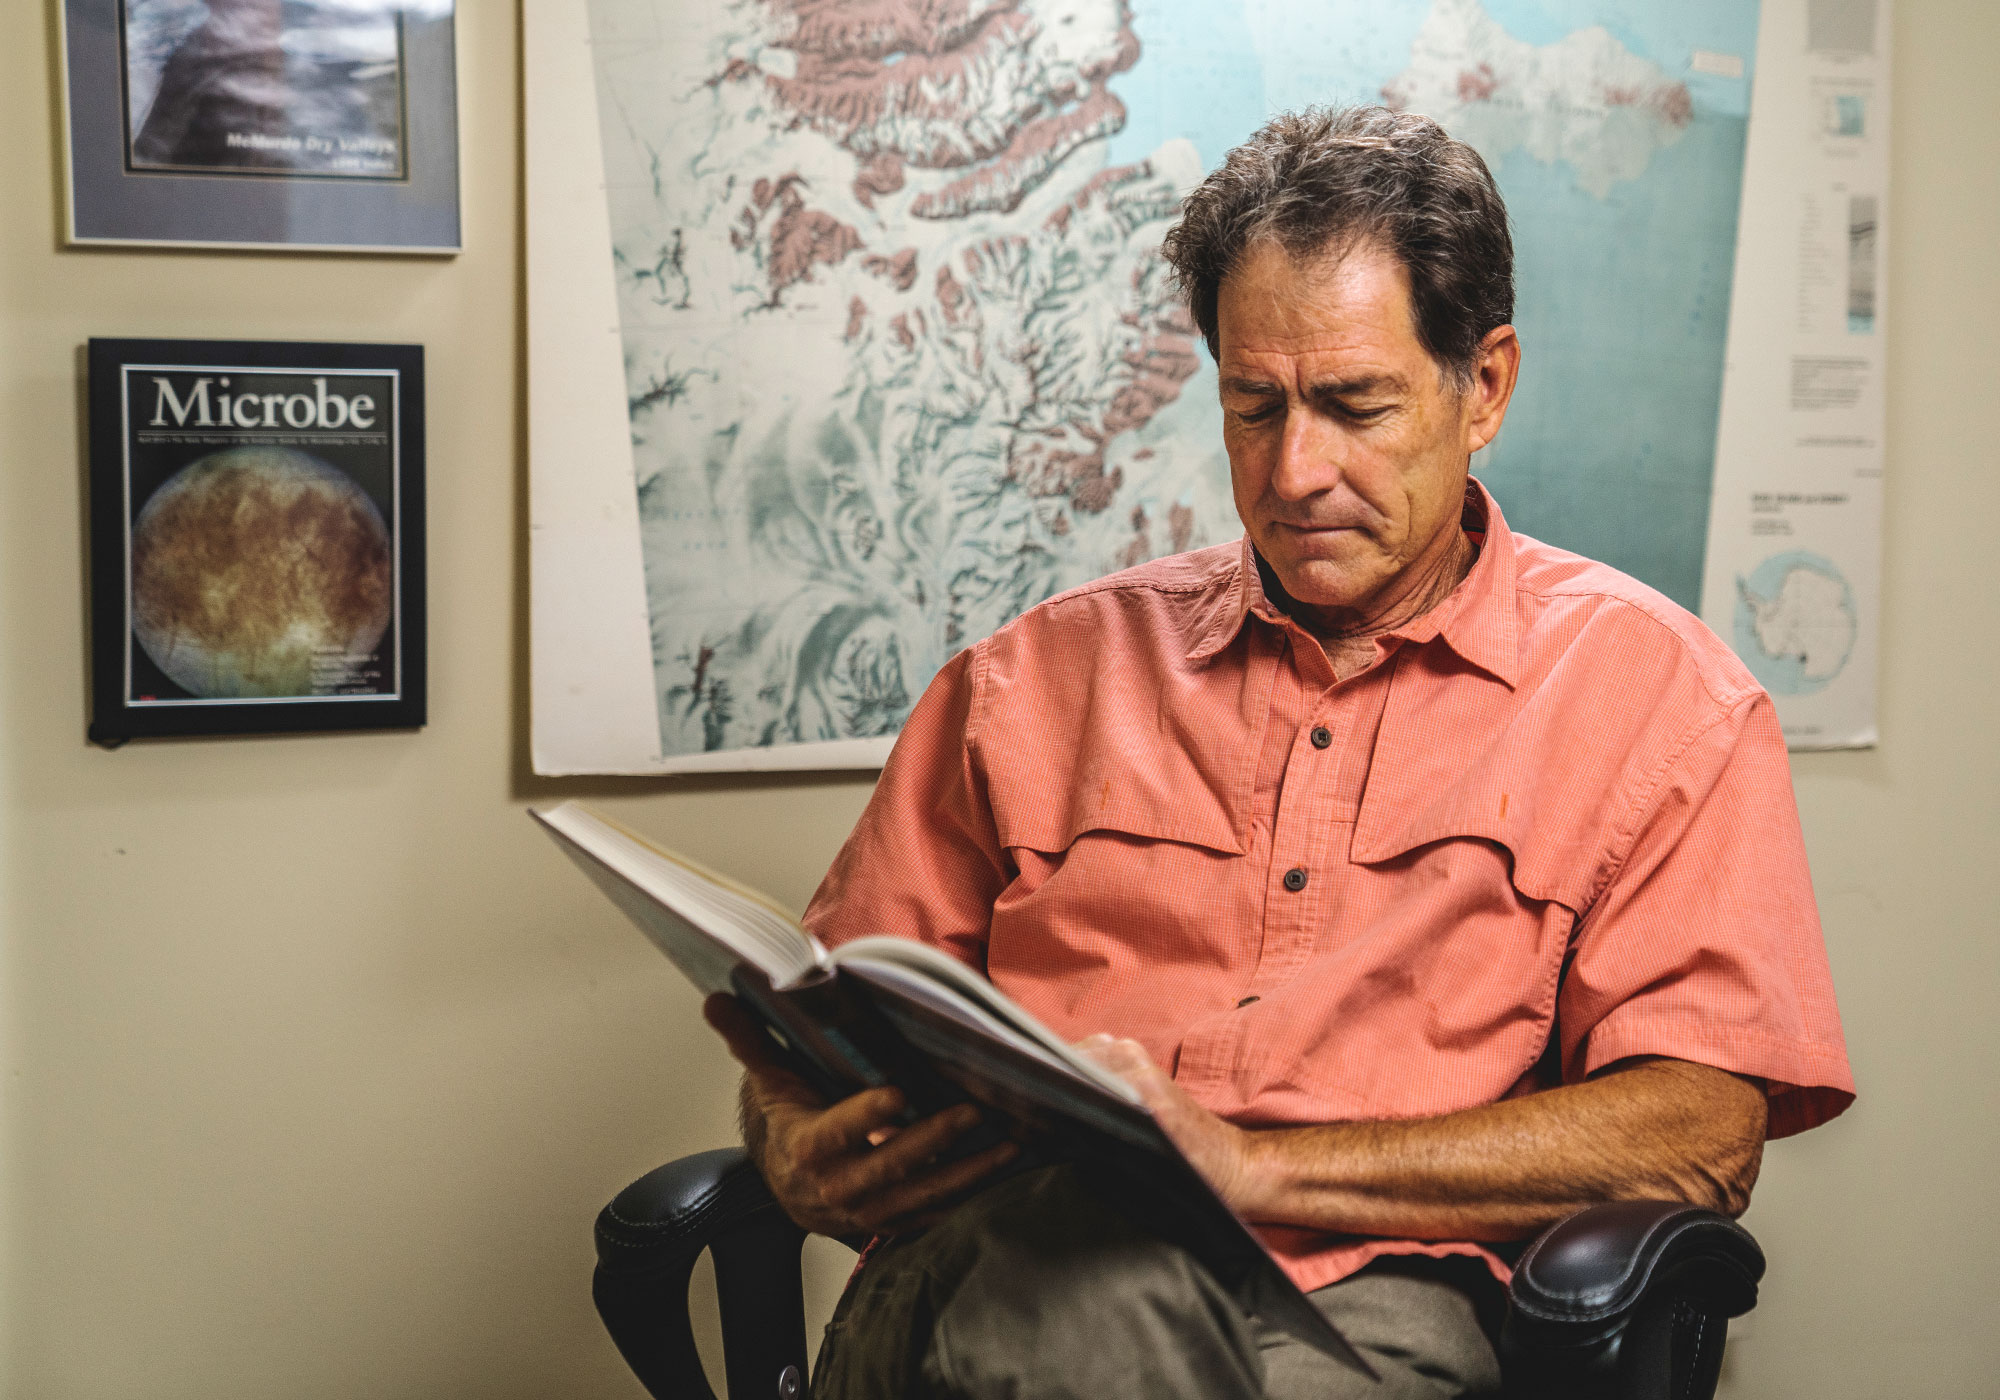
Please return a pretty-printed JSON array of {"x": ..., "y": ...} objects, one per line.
[
  {"x": 1350, "y": 355},
  {"x": 1386, "y": 383},
  {"x": 1239, "y": 385},
  {"x": 1357, "y": 366}
]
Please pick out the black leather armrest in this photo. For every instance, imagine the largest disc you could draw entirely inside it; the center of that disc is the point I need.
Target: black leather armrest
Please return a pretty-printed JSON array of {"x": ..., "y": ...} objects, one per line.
[
  {"x": 1629, "y": 1300},
  {"x": 648, "y": 1239}
]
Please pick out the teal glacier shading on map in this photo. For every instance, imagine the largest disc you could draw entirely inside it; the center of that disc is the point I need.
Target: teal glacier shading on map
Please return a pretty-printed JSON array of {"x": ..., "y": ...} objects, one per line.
[
  {"x": 1795, "y": 623},
  {"x": 902, "y": 358}
]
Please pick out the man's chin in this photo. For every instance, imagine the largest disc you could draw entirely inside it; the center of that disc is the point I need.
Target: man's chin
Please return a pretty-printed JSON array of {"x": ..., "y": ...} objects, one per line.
[{"x": 1324, "y": 583}]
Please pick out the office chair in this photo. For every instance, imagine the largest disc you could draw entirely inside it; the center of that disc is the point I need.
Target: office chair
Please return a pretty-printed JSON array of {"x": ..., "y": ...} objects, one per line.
[{"x": 1627, "y": 1301}]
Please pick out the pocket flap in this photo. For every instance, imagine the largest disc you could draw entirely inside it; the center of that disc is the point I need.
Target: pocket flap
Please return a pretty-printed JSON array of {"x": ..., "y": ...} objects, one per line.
[
  {"x": 1151, "y": 747},
  {"x": 1420, "y": 790},
  {"x": 1167, "y": 800}
]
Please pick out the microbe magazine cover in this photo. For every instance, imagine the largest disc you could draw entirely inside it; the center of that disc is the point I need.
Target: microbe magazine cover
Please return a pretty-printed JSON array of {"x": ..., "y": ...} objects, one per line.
[{"x": 257, "y": 559}]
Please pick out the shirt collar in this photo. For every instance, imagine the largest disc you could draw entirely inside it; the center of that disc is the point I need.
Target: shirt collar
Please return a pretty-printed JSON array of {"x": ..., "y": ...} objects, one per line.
[{"x": 1478, "y": 620}]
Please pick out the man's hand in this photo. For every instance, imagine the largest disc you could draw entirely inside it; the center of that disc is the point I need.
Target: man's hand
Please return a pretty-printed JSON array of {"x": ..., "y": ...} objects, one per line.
[
  {"x": 848, "y": 1169},
  {"x": 1219, "y": 1150}
]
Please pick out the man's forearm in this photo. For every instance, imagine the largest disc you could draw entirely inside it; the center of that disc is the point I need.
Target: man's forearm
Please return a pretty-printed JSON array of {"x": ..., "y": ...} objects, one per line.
[{"x": 1662, "y": 1129}]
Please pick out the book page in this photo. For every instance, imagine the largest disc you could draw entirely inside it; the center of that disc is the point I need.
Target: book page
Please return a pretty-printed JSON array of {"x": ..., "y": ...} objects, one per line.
[
  {"x": 705, "y": 923},
  {"x": 984, "y": 1004}
]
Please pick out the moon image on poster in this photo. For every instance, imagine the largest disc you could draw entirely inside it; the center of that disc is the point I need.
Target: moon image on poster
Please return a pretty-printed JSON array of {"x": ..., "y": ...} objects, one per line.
[{"x": 261, "y": 571}]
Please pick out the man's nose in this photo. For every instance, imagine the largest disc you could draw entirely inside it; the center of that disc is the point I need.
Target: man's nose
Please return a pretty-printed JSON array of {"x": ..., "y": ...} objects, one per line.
[{"x": 1308, "y": 456}]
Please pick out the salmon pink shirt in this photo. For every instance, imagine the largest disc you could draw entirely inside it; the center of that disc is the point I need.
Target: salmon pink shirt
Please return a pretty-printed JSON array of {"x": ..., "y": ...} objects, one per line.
[{"x": 1549, "y": 828}]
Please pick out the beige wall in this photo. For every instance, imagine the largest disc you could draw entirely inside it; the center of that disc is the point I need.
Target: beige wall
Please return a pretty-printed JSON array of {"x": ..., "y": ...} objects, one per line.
[
  {"x": 317, "y": 1063},
  {"x": 1884, "y": 1228}
]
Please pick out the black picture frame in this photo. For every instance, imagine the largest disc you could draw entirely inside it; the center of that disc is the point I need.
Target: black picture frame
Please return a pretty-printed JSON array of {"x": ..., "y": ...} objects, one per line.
[
  {"x": 256, "y": 537},
  {"x": 251, "y": 124}
]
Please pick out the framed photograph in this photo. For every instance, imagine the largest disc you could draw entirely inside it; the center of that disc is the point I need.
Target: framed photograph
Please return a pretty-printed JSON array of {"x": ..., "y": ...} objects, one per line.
[
  {"x": 314, "y": 124},
  {"x": 256, "y": 537}
]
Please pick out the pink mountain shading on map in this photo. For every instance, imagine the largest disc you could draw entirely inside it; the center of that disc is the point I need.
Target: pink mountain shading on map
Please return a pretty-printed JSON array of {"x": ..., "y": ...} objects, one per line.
[
  {"x": 1156, "y": 353},
  {"x": 1002, "y": 99},
  {"x": 948, "y": 85},
  {"x": 901, "y": 353},
  {"x": 795, "y": 237}
]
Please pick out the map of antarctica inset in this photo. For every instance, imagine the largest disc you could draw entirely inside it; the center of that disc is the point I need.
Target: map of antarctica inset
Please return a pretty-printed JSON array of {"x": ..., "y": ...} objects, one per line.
[
  {"x": 902, "y": 358},
  {"x": 1795, "y": 623}
]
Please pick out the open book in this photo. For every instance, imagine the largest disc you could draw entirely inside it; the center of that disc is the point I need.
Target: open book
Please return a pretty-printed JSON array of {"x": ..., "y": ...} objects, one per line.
[{"x": 885, "y": 1010}]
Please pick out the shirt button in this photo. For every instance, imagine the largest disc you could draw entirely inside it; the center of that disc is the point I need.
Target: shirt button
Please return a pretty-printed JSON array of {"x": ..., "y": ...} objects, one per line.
[
  {"x": 1246, "y": 1001},
  {"x": 1295, "y": 879},
  {"x": 1322, "y": 736}
]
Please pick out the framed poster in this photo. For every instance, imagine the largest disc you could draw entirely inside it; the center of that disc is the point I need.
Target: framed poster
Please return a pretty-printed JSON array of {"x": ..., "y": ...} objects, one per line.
[
  {"x": 320, "y": 124},
  {"x": 256, "y": 537}
]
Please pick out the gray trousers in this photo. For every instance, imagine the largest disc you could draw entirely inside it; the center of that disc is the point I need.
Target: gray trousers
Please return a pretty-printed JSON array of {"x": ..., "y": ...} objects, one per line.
[{"x": 1034, "y": 1290}]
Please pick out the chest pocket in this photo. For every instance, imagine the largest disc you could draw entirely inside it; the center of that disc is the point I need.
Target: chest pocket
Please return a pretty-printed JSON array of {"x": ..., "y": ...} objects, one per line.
[
  {"x": 1420, "y": 791},
  {"x": 1121, "y": 839},
  {"x": 1403, "y": 812},
  {"x": 1479, "y": 865},
  {"x": 1125, "y": 880},
  {"x": 1466, "y": 939}
]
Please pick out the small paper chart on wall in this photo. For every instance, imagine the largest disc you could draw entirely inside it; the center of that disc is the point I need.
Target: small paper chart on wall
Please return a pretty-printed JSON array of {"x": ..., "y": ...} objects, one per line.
[
  {"x": 850, "y": 340},
  {"x": 1792, "y": 577}
]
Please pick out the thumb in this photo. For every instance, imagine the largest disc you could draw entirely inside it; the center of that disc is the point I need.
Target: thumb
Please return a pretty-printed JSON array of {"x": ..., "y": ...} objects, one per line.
[{"x": 1125, "y": 1058}]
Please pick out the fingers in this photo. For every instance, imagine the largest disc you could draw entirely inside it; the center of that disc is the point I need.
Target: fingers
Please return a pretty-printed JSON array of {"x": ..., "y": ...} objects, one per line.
[
  {"x": 1129, "y": 1061},
  {"x": 854, "y": 1165},
  {"x": 909, "y": 1150},
  {"x": 899, "y": 1176},
  {"x": 893, "y": 1186},
  {"x": 1126, "y": 1058},
  {"x": 847, "y": 1126},
  {"x": 920, "y": 1201}
]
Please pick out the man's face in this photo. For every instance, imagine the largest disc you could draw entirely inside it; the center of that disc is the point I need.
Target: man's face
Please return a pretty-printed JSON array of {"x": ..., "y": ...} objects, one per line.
[{"x": 1347, "y": 445}]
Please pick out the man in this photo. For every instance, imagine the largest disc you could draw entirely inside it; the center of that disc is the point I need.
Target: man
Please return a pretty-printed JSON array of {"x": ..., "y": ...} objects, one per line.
[{"x": 1429, "y": 882}]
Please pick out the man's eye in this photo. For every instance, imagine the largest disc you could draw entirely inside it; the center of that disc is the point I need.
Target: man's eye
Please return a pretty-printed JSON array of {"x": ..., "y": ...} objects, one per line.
[
  {"x": 1255, "y": 415},
  {"x": 1364, "y": 415}
]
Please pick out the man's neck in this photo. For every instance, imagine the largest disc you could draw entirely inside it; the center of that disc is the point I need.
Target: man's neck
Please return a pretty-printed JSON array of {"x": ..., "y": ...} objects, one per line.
[{"x": 1348, "y": 637}]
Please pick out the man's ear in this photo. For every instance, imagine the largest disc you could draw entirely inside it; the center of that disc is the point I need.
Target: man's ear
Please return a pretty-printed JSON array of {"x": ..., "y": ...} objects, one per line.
[{"x": 1492, "y": 388}]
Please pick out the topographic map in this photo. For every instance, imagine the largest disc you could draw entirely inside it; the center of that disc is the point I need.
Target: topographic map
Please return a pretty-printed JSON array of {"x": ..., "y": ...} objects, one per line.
[{"x": 901, "y": 357}]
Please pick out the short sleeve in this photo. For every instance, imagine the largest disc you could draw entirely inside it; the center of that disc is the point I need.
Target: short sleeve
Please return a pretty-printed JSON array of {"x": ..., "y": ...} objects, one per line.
[
  {"x": 1705, "y": 942},
  {"x": 924, "y": 861}
]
